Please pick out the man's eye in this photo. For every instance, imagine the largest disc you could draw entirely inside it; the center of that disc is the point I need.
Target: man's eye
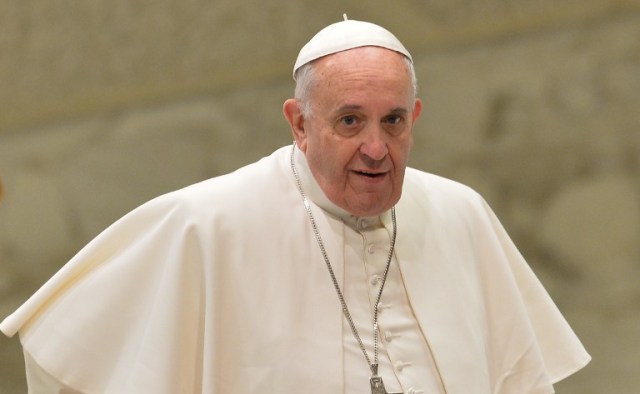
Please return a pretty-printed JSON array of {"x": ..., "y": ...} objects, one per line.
[
  {"x": 394, "y": 119},
  {"x": 349, "y": 120}
]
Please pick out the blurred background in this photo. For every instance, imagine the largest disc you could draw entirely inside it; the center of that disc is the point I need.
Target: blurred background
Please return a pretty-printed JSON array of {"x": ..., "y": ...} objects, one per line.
[{"x": 105, "y": 104}]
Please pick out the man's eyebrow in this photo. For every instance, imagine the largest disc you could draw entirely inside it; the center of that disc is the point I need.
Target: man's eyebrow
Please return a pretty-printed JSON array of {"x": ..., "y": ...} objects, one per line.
[
  {"x": 356, "y": 107},
  {"x": 399, "y": 111},
  {"x": 347, "y": 108}
]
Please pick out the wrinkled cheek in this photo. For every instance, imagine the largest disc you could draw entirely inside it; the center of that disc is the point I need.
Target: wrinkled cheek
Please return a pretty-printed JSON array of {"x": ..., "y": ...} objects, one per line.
[{"x": 397, "y": 188}]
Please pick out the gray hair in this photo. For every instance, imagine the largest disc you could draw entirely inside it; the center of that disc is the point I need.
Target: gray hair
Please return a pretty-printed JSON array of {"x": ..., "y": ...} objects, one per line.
[{"x": 306, "y": 81}]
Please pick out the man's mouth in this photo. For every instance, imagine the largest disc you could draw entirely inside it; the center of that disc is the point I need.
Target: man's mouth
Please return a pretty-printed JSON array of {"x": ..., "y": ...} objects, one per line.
[{"x": 371, "y": 175}]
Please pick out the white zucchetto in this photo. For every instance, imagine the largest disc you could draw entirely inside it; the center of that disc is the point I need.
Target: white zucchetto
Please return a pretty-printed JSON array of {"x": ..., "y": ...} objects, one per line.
[{"x": 345, "y": 35}]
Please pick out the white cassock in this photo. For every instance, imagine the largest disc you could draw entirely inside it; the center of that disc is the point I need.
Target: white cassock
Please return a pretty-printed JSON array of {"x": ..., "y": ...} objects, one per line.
[{"x": 220, "y": 287}]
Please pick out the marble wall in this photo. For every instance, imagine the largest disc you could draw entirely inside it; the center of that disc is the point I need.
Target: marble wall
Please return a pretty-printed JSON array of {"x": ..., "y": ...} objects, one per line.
[{"x": 534, "y": 104}]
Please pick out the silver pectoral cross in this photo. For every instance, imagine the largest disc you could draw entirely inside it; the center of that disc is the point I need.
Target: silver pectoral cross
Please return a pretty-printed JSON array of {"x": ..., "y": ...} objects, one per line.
[{"x": 377, "y": 386}]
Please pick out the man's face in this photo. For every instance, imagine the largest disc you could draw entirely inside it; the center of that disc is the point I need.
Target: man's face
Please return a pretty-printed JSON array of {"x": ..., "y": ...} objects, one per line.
[{"x": 360, "y": 131}]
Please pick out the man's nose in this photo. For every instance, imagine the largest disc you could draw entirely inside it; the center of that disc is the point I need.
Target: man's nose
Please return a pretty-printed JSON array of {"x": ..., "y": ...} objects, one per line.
[{"x": 374, "y": 146}]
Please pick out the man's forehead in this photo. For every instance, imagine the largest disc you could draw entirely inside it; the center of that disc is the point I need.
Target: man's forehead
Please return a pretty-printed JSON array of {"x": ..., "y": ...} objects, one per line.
[
  {"x": 363, "y": 67},
  {"x": 346, "y": 35}
]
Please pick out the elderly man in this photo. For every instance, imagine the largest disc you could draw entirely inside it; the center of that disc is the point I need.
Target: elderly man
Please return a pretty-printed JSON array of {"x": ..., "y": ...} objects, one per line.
[{"x": 326, "y": 267}]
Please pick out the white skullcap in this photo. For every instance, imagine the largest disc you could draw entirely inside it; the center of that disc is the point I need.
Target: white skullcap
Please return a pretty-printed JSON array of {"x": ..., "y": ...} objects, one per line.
[{"x": 345, "y": 35}]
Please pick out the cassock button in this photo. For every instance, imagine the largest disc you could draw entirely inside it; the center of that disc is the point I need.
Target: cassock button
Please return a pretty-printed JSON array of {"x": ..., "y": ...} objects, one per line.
[
  {"x": 400, "y": 365},
  {"x": 388, "y": 336},
  {"x": 375, "y": 280}
]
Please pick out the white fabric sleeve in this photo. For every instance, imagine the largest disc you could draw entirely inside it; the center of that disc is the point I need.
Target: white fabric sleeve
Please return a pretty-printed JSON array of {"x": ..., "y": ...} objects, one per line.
[{"x": 40, "y": 381}]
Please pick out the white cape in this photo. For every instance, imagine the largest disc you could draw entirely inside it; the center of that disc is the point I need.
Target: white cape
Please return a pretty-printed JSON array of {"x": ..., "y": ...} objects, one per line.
[{"x": 220, "y": 288}]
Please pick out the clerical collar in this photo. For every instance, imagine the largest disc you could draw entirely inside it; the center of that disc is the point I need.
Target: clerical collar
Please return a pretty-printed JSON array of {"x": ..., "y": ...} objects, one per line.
[{"x": 316, "y": 194}]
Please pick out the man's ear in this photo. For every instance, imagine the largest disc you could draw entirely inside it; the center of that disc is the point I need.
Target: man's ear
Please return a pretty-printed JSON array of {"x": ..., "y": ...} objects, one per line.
[
  {"x": 417, "y": 109},
  {"x": 293, "y": 113}
]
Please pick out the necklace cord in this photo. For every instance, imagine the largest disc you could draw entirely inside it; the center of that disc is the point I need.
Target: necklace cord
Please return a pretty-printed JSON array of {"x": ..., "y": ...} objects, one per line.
[{"x": 345, "y": 310}]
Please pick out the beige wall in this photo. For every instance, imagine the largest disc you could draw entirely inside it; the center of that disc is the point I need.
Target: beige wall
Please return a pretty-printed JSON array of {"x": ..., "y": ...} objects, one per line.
[{"x": 536, "y": 104}]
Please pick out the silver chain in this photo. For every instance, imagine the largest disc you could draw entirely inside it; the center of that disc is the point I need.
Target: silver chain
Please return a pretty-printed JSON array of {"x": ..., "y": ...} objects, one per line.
[{"x": 345, "y": 310}]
